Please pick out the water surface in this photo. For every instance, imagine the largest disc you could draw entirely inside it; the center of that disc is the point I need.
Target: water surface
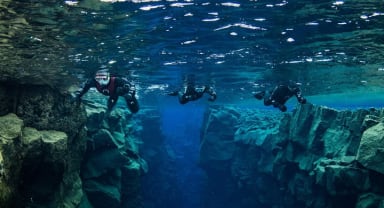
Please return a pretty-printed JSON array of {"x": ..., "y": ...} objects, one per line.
[{"x": 237, "y": 46}]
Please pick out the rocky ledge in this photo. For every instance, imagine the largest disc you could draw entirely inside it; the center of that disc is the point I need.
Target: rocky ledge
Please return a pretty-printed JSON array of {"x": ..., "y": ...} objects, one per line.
[{"x": 314, "y": 157}]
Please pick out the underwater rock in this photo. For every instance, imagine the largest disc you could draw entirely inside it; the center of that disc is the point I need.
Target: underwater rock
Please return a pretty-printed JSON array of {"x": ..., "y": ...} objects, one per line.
[
  {"x": 100, "y": 162},
  {"x": 370, "y": 200},
  {"x": 95, "y": 114},
  {"x": 104, "y": 192},
  {"x": 254, "y": 131},
  {"x": 130, "y": 185},
  {"x": 43, "y": 108},
  {"x": 313, "y": 157},
  {"x": 231, "y": 144},
  {"x": 371, "y": 149},
  {"x": 369, "y": 121},
  {"x": 103, "y": 139},
  {"x": 98, "y": 118},
  {"x": 217, "y": 146},
  {"x": 112, "y": 166},
  {"x": 31, "y": 136},
  {"x": 37, "y": 167},
  {"x": 10, "y": 127},
  {"x": 341, "y": 176},
  {"x": 325, "y": 131},
  {"x": 42, "y": 147},
  {"x": 4, "y": 102}
]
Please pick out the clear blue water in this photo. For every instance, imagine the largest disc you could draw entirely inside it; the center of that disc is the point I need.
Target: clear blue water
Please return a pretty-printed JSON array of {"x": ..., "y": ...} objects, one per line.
[
  {"x": 181, "y": 127},
  {"x": 329, "y": 46},
  {"x": 334, "y": 48}
]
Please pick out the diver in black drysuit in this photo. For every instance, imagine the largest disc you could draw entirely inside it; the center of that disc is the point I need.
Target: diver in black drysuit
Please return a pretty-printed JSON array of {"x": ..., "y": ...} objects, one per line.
[
  {"x": 113, "y": 87},
  {"x": 192, "y": 93},
  {"x": 280, "y": 95}
]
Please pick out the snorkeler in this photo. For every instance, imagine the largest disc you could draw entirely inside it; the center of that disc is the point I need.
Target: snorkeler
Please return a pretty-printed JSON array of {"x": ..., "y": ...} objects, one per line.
[
  {"x": 190, "y": 92},
  {"x": 113, "y": 87},
  {"x": 280, "y": 95}
]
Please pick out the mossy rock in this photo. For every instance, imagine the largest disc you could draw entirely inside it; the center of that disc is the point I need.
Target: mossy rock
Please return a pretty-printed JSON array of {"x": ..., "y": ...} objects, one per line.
[
  {"x": 30, "y": 135},
  {"x": 10, "y": 126}
]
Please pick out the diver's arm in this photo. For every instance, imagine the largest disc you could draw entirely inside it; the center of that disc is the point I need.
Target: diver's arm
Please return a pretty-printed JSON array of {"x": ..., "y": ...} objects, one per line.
[
  {"x": 123, "y": 87},
  {"x": 87, "y": 85},
  {"x": 127, "y": 89}
]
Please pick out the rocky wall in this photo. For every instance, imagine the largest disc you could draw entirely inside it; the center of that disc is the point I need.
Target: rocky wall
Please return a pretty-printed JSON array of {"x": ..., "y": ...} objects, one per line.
[
  {"x": 112, "y": 167},
  {"x": 58, "y": 153},
  {"x": 313, "y": 157},
  {"x": 41, "y": 148}
]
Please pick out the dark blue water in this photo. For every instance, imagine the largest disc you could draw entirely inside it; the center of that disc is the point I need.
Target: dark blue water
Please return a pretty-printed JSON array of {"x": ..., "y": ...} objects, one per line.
[
  {"x": 181, "y": 127},
  {"x": 171, "y": 148}
]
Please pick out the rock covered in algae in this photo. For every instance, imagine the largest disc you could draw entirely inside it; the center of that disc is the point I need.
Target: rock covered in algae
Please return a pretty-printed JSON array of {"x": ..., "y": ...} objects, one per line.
[
  {"x": 371, "y": 149},
  {"x": 10, "y": 127},
  {"x": 35, "y": 167}
]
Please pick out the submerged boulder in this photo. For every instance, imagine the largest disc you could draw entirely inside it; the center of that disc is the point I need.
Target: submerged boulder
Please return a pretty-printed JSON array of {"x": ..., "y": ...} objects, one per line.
[
  {"x": 371, "y": 149},
  {"x": 10, "y": 127}
]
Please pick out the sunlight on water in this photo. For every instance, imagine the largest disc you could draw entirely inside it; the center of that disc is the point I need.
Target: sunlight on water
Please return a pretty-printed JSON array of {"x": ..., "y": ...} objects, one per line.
[{"x": 227, "y": 44}]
